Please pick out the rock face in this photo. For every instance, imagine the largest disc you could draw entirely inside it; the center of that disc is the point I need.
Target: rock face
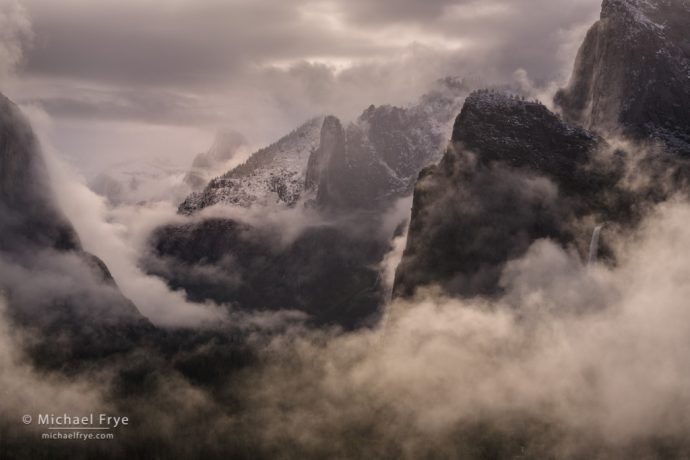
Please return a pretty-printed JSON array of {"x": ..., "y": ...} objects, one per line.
[
  {"x": 632, "y": 73},
  {"x": 51, "y": 284},
  {"x": 376, "y": 159},
  {"x": 514, "y": 173},
  {"x": 28, "y": 215},
  {"x": 373, "y": 161},
  {"x": 352, "y": 173},
  {"x": 328, "y": 271}
]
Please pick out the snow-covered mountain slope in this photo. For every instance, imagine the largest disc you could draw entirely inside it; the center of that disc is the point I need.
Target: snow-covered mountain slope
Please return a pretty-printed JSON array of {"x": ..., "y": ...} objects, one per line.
[
  {"x": 379, "y": 157},
  {"x": 632, "y": 73},
  {"x": 275, "y": 174}
]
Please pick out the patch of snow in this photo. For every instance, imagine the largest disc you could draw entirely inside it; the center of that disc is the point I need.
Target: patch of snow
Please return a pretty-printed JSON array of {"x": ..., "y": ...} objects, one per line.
[{"x": 275, "y": 174}]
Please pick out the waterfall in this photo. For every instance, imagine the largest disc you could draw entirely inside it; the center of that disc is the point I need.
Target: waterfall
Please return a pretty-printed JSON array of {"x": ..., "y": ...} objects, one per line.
[{"x": 594, "y": 245}]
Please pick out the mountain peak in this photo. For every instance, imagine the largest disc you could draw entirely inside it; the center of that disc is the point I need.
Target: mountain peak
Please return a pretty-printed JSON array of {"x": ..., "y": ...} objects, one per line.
[
  {"x": 666, "y": 19},
  {"x": 477, "y": 209},
  {"x": 489, "y": 99},
  {"x": 641, "y": 8},
  {"x": 632, "y": 73},
  {"x": 609, "y": 7},
  {"x": 274, "y": 174},
  {"x": 503, "y": 128},
  {"x": 489, "y": 111},
  {"x": 649, "y": 14}
]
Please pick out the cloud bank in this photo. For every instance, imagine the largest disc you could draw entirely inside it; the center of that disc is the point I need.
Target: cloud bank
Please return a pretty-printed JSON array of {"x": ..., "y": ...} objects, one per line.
[
  {"x": 121, "y": 76},
  {"x": 573, "y": 360}
]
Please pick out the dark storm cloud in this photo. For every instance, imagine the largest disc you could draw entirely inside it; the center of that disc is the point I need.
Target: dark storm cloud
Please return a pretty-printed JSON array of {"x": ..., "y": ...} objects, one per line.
[
  {"x": 262, "y": 67},
  {"x": 398, "y": 10},
  {"x": 540, "y": 36},
  {"x": 179, "y": 43},
  {"x": 145, "y": 106},
  {"x": 197, "y": 42}
]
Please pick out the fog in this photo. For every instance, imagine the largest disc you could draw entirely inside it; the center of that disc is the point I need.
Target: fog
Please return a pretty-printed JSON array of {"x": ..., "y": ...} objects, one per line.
[
  {"x": 15, "y": 29},
  {"x": 26, "y": 391},
  {"x": 596, "y": 354},
  {"x": 572, "y": 360}
]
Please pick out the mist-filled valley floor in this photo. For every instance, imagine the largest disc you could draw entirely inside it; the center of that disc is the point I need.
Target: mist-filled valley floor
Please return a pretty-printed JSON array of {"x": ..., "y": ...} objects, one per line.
[{"x": 488, "y": 263}]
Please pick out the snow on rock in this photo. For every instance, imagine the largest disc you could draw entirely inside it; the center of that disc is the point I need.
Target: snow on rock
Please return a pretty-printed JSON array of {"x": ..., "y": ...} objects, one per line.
[
  {"x": 275, "y": 174},
  {"x": 642, "y": 13},
  {"x": 379, "y": 159}
]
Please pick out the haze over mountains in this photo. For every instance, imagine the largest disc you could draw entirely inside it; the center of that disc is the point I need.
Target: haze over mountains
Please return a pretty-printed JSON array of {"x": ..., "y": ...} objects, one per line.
[
  {"x": 565, "y": 180},
  {"x": 343, "y": 182},
  {"x": 538, "y": 308},
  {"x": 385, "y": 147}
]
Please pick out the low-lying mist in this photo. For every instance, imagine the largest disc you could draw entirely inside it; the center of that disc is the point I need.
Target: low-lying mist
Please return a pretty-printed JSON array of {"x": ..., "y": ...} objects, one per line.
[{"x": 573, "y": 361}]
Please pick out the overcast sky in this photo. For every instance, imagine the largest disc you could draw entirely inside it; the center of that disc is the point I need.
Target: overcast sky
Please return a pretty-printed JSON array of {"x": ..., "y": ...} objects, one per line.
[{"x": 138, "y": 79}]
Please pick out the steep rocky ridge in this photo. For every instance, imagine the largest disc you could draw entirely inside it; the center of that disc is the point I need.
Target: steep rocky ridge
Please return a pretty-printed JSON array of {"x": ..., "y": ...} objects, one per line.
[
  {"x": 52, "y": 285},
  {"x": 514, "y": 173},
  {"x": 375, "y": 160},
  {"x": 27, "y": 209}
]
